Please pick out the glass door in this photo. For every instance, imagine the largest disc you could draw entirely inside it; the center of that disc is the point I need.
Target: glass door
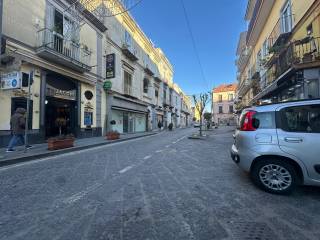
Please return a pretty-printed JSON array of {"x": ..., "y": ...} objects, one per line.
[
  {"x": 125, "y": 122},
  {"x": 286, "y": 18}
]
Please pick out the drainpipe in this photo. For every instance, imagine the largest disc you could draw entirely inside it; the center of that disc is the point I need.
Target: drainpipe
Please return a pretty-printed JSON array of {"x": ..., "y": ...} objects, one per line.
[{"x": 1, "y": 11}]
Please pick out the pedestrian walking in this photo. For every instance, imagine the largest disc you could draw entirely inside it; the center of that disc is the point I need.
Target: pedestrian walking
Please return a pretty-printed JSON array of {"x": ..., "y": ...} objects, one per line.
[
  {"x": 18, "y": 125},
  {"x": 159, "y": 125}
]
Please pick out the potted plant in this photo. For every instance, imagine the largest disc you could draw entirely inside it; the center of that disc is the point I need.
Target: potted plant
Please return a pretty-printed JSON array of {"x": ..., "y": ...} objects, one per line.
[
  {"x": 113, "y": 135},
  {"x": 62, "y": 141}
]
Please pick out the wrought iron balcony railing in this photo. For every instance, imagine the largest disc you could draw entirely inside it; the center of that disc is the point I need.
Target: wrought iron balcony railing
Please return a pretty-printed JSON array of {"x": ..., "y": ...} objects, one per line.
[
  {"x": 281, "y": 32},
  {"x": 56, "y": 47}
]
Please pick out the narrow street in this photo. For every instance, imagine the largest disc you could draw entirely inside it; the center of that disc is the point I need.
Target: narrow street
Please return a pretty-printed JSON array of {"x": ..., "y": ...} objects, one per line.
[{"x": 160, "y": 187}]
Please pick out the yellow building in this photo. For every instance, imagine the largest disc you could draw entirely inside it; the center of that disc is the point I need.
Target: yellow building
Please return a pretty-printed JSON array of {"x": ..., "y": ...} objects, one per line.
[
  {"x": 223, "y": 104},
  {"x": 278, "y": 55}
]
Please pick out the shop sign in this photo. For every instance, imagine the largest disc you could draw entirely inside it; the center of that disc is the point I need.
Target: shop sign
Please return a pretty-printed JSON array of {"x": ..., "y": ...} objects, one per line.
[
  {"x": 63, "y": 94},
  {"x": 88, "y": 118},
  {"x": 107, "y": 85},
  {"x": 110, "y": 66},
  {"x": 88, "y": 107},
  {"x": 11, "y": 80}
]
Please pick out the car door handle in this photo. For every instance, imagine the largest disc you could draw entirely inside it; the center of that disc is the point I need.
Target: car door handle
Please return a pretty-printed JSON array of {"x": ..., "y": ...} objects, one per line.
[{"x": 293, "y": 140}]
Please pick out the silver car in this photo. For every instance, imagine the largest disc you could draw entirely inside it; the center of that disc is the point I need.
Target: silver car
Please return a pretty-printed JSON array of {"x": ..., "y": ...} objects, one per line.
[{"x": 279, "y": 144}]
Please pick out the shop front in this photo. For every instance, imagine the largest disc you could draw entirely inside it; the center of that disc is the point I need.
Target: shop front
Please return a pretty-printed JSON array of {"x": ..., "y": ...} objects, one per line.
[
  {"x": 61, "y": 115},
  {"x": 128, "y": 116},
  {"x": 299, "y": 85}
]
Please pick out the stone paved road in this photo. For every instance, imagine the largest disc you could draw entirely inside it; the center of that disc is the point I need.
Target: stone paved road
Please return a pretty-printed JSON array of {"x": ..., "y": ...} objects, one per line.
[{"x": 162, "y": 187}]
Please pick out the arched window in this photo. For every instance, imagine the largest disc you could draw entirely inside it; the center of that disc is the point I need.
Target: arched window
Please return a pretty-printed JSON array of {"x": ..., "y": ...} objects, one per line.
[{"x": 145, "y": 85}]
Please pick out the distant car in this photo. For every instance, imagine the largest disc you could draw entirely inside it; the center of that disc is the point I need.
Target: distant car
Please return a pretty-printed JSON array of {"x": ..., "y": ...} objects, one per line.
[
  {"x": 279, "y": 145},
  {"x": 196, "y": 125}
]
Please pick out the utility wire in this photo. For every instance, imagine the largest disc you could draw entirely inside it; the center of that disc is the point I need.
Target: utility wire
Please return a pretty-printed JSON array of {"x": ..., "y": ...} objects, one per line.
[{"x": 194, "y": 44}]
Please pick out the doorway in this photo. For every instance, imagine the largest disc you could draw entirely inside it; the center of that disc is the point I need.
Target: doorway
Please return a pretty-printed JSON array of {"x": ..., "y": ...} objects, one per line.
[{"x": 60, "y": 117}]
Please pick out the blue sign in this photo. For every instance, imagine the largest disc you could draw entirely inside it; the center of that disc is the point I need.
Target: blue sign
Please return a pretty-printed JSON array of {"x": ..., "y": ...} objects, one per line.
[
  {"x": 14, "y": 82},
  {"x": 88, "y": 118}
]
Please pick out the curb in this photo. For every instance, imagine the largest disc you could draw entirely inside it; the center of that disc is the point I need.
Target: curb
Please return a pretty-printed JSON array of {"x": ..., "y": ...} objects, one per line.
[{"x": 17, "y": 160}]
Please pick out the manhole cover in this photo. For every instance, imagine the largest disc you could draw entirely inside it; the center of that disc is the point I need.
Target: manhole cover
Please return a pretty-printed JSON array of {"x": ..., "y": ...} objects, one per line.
[{"x": 251, "y": 231}]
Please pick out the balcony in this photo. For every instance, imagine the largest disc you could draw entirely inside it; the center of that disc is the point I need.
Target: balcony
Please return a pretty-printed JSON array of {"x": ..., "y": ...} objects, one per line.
[
  {"x": 280, "y": 33},
  {"x": 244, "y": 58},
  {"x": 54, "y": 47},
  {"x": 260, "y": 15},
  {"x": 129, "y": 52},
  {"x": 244, "y": 87},
  {"x": 148, "y": 70}
]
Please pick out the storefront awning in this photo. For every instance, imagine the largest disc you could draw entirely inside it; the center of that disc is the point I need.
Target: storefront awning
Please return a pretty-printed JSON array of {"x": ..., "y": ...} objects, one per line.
[
  {"x": 128, "y": 110},
  {"x": 272, "y": 87}
]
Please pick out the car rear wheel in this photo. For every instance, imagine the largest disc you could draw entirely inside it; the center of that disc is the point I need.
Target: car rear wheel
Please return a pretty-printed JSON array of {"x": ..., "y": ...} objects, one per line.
[{"x": 274, "y": 176}]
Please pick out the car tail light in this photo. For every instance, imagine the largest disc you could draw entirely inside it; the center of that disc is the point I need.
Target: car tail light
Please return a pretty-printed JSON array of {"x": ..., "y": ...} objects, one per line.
[{"x": 247, "y": 124}]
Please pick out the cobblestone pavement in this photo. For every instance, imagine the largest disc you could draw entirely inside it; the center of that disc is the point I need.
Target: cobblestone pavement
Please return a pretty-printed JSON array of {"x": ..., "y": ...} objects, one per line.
[{"x": 161, "y": 187}]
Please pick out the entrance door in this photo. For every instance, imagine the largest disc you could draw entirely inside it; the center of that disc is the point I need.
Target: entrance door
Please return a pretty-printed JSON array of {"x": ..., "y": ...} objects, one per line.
[
  {"x": 21, "y": 102},
  {"x": 125, "y": 122},
  {"x": 60, "y": 117},
  {"x": 131, "y": 123}
]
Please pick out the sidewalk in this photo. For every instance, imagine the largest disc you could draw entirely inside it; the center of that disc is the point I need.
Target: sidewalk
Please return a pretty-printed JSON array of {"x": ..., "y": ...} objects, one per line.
[{"x": 40, "y": 150}]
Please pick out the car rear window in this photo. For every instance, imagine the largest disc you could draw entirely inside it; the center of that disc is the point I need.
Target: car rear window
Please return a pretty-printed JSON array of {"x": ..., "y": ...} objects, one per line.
[{"x": 263, "y": 120}]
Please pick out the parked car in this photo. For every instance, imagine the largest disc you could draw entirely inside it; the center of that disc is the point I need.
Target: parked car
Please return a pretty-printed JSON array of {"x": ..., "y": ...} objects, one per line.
[
  {"x": 196, "y": 125},
  {"x": 279, "y": 144}
]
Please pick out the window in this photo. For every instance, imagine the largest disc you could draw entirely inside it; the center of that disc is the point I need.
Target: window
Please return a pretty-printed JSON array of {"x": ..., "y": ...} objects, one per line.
[
  {"x": 156, "y": 93},
  {"x": 164, "y": 95},
  {"x": 230, "y": 97},
  {"x": 128, "y": 39},
  {"x": 176, "y": 101},
  {"x": 313, "y": 88},
  {"x": 265, "y": 49},
  {"x": 264, "y": 120},
  {"x": 231, "y": 109},
  {"x": 220, "y": 109},
  {"x": 286, "y": 18},
  {"x": 145, "y": 85},
  {"x": 25, "y": 80},
  {"x": 127, "y": 83},
  {"x": 301, "y": 119},
  {"x": 58, "y": 22},
  {"x": 220, "y": 98}
]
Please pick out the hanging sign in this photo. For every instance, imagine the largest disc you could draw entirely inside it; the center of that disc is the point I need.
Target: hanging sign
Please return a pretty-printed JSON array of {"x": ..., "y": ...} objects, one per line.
[
  {"x": 63, "y": 94},
  {"x": 110, "y": 66},
  {"x": 107, "y": 85},
  {"x": 11, "y": 80}
]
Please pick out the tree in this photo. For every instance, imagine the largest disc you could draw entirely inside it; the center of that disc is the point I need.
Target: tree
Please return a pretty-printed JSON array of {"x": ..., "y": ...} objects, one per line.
[
  {"x": 207, "y": 116},
  {"x": 200, "y": 105}
]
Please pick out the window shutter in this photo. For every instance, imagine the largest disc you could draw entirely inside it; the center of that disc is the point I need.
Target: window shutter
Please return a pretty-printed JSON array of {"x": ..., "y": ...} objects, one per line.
[{"x": 49, "y": 16}]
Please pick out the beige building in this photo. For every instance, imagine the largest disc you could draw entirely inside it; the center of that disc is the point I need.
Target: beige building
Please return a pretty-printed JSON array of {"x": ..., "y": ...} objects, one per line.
[
  {"x": 64, "y": 60},
  {"x": 223, "y": 104},
  {"x": 278, "y": 55},
  {"x": 88, "y": 70}
]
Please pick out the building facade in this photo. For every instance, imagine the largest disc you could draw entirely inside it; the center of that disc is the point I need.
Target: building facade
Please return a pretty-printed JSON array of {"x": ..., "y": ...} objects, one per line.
[
  {"x": 223, "y": 104},
  {"x": 278, "y": 55},
  {"x": 63, "y": 62},
  {"x": 88, "y": 75}
]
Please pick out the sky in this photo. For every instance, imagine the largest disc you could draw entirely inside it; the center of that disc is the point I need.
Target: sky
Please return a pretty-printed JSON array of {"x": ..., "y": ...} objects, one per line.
[{"x": 216, "y": 26}]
